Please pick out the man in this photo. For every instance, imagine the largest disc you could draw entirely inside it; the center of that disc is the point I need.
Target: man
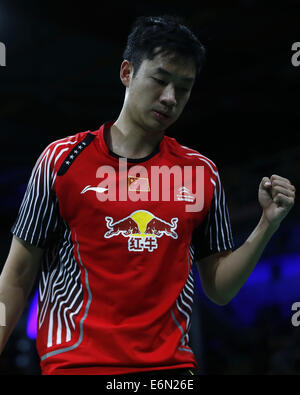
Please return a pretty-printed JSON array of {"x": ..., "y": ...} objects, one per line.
[{"x": 116, "y": 287}]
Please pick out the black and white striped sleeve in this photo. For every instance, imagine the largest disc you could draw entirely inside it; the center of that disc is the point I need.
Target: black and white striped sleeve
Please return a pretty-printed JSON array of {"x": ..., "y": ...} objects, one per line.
[
  {"x": 38, "y": 215},
  {"x": 214, "y": 234}
]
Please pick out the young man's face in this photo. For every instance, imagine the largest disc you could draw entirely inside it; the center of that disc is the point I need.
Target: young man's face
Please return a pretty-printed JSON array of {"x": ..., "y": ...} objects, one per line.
[{"x": 158, "y": 93}]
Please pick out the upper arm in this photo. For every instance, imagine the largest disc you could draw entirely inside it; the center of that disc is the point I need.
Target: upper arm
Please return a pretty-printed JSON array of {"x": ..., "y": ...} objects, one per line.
[
  {"x": 207, "y": 268},
  {"x": 35, "y": 224},
  {"x": 38, "y": 215},
  {"x": 22, "y": 264},
  {"x": 213, "y": 235},
  {"x": 212, "y": 239}
]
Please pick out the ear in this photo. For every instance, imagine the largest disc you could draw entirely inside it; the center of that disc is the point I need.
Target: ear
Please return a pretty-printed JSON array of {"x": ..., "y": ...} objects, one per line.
[{"x": 126, "y": 72}]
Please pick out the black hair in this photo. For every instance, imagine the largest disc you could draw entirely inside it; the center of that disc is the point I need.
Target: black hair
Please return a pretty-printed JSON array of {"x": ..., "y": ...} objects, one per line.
[{"x": 167, "y": 32}]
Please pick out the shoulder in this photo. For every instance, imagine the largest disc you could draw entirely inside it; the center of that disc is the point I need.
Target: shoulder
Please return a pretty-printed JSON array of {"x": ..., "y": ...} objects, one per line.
[
  {"x": 55, "y": 152},
  {"x": 67, "y": 143},
  {"x": 190, "y": 156}
]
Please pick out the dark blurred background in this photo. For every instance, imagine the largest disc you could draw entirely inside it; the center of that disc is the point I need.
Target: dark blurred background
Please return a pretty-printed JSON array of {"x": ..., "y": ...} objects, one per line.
[{"x": 62, "y": 77}]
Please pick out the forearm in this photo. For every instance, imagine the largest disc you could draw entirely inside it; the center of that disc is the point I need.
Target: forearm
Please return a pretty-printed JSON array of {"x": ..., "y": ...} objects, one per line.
[
  {"x": 16, "y": 281},
  {"x": 234, "y": 269},
  {"x": 13, "y": 299}
]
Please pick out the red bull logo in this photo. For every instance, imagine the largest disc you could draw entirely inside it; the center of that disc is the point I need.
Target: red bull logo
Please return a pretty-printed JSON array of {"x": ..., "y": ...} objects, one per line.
[{"x": 142, "y": 228}]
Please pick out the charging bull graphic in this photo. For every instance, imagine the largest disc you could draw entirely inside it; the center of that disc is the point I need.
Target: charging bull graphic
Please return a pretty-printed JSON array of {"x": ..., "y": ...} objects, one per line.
[
  {"x": 142, "y": 228},
  {"x": 126, "y": 226},
  {"x": 159, "y": 227}
]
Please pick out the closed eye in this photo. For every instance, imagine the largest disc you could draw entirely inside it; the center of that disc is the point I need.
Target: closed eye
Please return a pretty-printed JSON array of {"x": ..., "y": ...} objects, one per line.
[
  {"x": 164, "y": 83},
  {"x": 160, "y": 82}
]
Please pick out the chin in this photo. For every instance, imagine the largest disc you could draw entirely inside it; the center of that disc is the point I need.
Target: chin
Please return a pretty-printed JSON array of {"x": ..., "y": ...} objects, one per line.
[
  {"x": 158, "y": 128},
  {"x": 161, "y": 126},
  {"x": 152, "y": 126}
]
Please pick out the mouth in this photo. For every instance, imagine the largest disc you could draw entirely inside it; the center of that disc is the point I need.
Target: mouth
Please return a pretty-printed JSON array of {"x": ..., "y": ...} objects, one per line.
[{"x": 161, "y": 115}]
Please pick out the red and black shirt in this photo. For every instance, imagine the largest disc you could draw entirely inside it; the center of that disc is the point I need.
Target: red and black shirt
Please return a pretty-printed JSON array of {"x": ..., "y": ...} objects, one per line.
[{"x": 116, "y": 288}]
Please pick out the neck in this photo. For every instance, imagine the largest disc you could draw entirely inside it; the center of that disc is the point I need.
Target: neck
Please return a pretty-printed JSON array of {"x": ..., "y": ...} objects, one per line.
[{"x": 130, "y": 140}]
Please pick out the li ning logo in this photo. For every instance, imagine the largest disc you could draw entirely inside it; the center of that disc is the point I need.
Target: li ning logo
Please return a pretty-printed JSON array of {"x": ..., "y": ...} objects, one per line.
[{"x": 2, "y": 55}]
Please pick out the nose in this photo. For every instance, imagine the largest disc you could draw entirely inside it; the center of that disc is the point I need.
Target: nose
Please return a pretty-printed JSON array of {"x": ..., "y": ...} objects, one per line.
[{"x": 168, "y": 97}]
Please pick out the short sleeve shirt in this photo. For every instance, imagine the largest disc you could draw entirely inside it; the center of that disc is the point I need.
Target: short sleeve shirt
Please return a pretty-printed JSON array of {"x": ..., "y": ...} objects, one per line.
[{"x": 120, "y": 237}]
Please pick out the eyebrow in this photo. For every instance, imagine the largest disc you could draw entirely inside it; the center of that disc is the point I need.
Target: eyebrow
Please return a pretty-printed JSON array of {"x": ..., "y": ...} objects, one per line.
[{"x": 168, "y": 74}]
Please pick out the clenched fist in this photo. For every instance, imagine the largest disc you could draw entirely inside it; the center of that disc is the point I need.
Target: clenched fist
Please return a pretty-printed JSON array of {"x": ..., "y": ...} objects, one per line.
[{"x": 276, "y": 196}]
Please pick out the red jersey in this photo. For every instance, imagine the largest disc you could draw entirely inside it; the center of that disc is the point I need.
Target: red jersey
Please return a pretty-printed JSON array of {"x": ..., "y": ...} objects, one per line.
[{"x": 119, "y": 239}]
